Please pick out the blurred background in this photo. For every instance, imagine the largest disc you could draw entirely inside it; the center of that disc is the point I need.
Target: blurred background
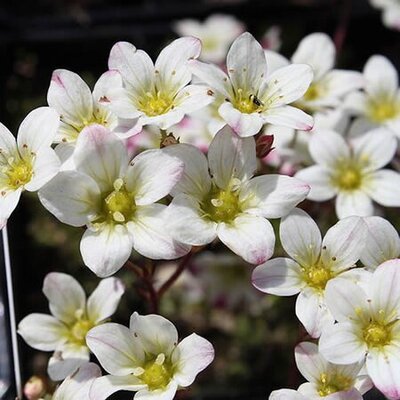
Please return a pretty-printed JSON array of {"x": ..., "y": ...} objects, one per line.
[{"x": 254, "y": 335}]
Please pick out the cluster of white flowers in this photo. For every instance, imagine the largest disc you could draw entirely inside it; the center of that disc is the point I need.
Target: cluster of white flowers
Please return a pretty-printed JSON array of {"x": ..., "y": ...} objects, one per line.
[{"x": 82, "y": 155}]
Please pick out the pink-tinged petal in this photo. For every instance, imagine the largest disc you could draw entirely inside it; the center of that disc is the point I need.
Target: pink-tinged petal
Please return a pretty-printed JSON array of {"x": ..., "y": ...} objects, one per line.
[
  {"x": 172, "y": 63},
  {"x": 301, "y": 237},
  {"x": 384, "y": 188},
  {"x": 286, "y": 394},
  {"x": 167, "y": 393},
  {"x": 192, "y": 355},
  {"x": 71, "y": 196},
  {"x": 70, "y": 96},
  {"x": 185, "y": 220},
  {"x": 309, "y": 361},
  {"x": 38, "y": 130},
  {"x": 212, "y": 76},
  {"x": 319, "y": 179},
  {"x": 152, "y": 236},
  {"x": 194, "y": 97},
  {"x": 155, "y": 333},
  {"x": 105, "y": 386},
  {"x": 104, "y": 300},
  {"x": 344, "y": 243},
  {"x": 117, "y": 349},
  {"x": 340, "y": 344},
  {"x": 287, "y": 84},
  {"x": 100, "y": 155},
  {"x": 242, "y": 124},
  {"x": 246, "y": 63},
  {"x": 353, "y": 203},
  {"x": 66, "y": 361},
  {"x": 231, "y": 157},
  {"x": 384, "y": 369},
  {"x": 45, "y": 167},
  {"x": 8, "y": 203},
  {"x": 106, "y": 250},
  {"x": 42, "y": 332},
  {"x": 152, "y": 174},
  {"x": 288, "y": 116},
  {"x": 385, "y": 290},
  {"x": 195, "y": 180},
  {"x": 317, "y": 50},
  {"x": 312, "y": 312},
  {"x": 135, "y": 67},
  {"x": 272, "y": 196},
  {"x": 380, "y": 77},
  {"x": 280, "y": 276},
  {"x": 66, "y": 296},
  {"x": 382, "y": 244},
  {"x": 250, "y": 237}
]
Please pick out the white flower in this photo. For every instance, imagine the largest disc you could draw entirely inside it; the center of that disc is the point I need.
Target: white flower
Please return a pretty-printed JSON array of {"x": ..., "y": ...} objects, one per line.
[
  {"x": 272, "y": 38},
  {"x": 368, "y": 326},
  {"x": 313, "y": 263},
  {"x": 72, "y": 317},
  {"x": 383, "y": 242},
  {"x": 216, "y": 33},
  {"x": 77, "y": 385},
  {"x": 146, "y": 358},
  {"x": 251, "y": 98},
  {"x": 116, "y": 200},
  {"x": 379, "y": 104},
  {"x": 353, "y": 174},
  {"x": 229, "y": 204},
  {"x": 28, "y": 162},
  {"x": 390, "y": 12},
  {"x": 157, "y": 94}
]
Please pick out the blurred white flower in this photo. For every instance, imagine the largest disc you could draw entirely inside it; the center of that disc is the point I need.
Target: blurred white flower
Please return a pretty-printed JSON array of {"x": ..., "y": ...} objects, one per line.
[
  {"x": 390, "y": 12},
  {"x": 72, "y": 317},
  {"x": 272, "y": 38},
  {"x": 146, "y": 358}
]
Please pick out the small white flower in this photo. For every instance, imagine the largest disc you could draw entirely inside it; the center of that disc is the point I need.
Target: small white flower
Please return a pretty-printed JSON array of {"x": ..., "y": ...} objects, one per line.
[
  {"x": 72, "y": 317},
  {"x": 368, "y": 326},
  {"x": 156, "y": 94},
  {"x": 390, "y": 12},
  {"x": 28, "y": 162},
  {"x": 216, "y": 33},
  {"x": 250, "y": 98},
  {"x": 313, "y": 263},
  {"x": 77, "y": 385},
  {"x": 230, "y": 204},
  {"x": 353, "y": 174},
  {"x": 146, "y": 358},
  {"x": 116, "y": 200}
]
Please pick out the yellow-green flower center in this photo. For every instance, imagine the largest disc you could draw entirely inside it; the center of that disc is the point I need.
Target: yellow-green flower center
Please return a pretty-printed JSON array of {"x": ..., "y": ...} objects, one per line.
[
  {"x": 313, "y": 92},
  {"x": 317, "y": 276},
  {"x": 209, "y": 43},
  {"x": 157, "y": 373},
  {"x": 18, "y": 172},
  {"x": 377, "y": 334},
  {"x": 383, "y": 109},
  {"x": 348, "y": 176},
  {"x": 79, "y": 330},
  {"x": 331, "y": 384},
  {"x": 155, "y": 103},
  {"x": 247, "y": 102}
]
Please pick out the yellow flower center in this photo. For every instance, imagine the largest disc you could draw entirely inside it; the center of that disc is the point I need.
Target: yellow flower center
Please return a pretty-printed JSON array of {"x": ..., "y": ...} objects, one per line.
[
  {"x": 155, "y": 103},
  {"x": 348, "y": 176},
  {"x": 79, "y": 330},
  {"x": 313, "y": 92},
  {"x": 377, "y": 334},
  {"x": 317, "y": 276},
  {"x": 209, "y": 43},
  {"x": 331, "y": 384},
  {"x": 247, "y": 102},
  {"x": 157, "y": 373},
  {"x": 18, "y": 171},
  {"x": 382, "y": 109}
]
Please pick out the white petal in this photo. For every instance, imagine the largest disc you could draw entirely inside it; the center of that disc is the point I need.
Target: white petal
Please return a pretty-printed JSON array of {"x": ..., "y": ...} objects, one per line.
[
  {"x": 184, "y": 218},
  {"x": 71, "y": 197},
  {"x": 104, "y": 300},
  {"x": 66, "y": 296},
  {"x": 107, "y": 81},
  {"x": 152, "y": 174},
  {"x": 272, "y": 196},
  {"x": 383, "y": 242},
  {"x": 309, "y": 362},
  {"x": 152, "y": 237},
  {"x": 319, "y": 179},
  {"x": 354, "y": 202},
  {"x": 275, "y": 60},
  {"x": 167, "y": 393},
  {"x": 250, "y": 237},
  {"x": 106, "y": 250},
  {"x": 194, "y": 97},
  {"x": 8, "y": 144},
  {"x": 286, "y": 394},
  {"x": 231, "y": 157},
  {"x": 191, "y": 356},
  {"x": 42, "y": 332},
  {"x": 343, "y": 243},
  {"x": 105, "y": 386},
  {"x": 117, "y": 349},
  {"x": 155, "y": 333},
  {"x": 339, "y": 82},
  {"x": 384, "y": 188},
  {"x": 38, "y": 129},
  {"x": 301, "y": 237},
  {"x": 288, "y": 116},
  {"x": 318, "y": 51},
  {"x": 279, "y": 276},
  {"x": 8, "y": 203}
]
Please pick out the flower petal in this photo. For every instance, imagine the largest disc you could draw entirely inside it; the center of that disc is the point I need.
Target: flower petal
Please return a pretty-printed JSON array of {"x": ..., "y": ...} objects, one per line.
[
  {"x": 319, "y": 179},
  {"x": 288, "y": 116},
  {"x": 105, "y": 386},
  {"x": 8, "y": 203},
  {"x": 286, "y": 394},
  {"x": 353, "y": 203},
  {"x": 384, "y": 188},
  {"x": 167, "y": 393},
  {"x": 309, "y": 361}
]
